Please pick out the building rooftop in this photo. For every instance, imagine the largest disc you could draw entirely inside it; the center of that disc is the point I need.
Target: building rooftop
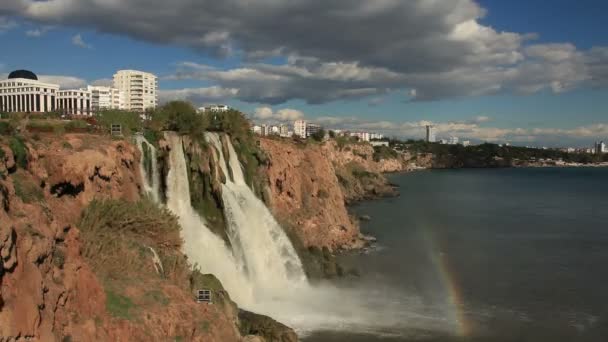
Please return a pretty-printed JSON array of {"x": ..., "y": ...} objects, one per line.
[{"x": 26, "y": 74}]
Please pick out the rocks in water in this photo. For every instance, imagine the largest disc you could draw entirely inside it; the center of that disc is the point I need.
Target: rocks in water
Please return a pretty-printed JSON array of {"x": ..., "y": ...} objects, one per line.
[
  {"x": 322, "y": 264},
  {"x": 365, "y": 218},
  {"x": 259, "y": 325}
]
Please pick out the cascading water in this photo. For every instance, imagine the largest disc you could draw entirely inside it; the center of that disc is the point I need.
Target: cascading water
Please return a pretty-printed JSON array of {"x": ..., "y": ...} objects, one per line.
[
  {"x": 266, "y": 275},
  {"x": 152, "y": 188},
  {"x": 266, "y": 253},
  {"x": 202, "y": 247}
]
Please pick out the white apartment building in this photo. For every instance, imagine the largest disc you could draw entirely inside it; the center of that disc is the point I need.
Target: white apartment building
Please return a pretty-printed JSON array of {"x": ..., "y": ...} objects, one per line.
[
  {"x": 430, "y": 134},
  {"x": 74, "y": 102},
  {"x": 299, "y": 128},
  {"x": 104, "y": 98},
  {"x": 284, "y": 130},
  {"x": 453, "y": 140},
  {"x": 22, "y": 92},
  {"x": 257, "y": 129},
  {"x": 363, "y": 136},
  {"x": 312, "y": 129},
  {"x": 140, "y": 89},
  {"x": 214, "y": 108}
]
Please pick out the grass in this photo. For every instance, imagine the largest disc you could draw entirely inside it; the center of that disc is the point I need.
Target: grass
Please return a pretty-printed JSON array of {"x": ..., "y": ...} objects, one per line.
[
  {"x": 17, "y": 145},
  {"x": 115, "y": 231},
  {"x": 26, "y": 190},
  {"x": 119, "y": 306},
  {"x": 204, "y": 326},
  {"x": 156, "y": 297},
  {"x": 6, "y": 128}
]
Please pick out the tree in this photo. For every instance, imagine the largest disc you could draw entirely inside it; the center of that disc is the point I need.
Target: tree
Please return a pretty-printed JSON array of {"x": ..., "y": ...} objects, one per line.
[
  {"x": 179, "y": 116},
  {"x": 319, "y": 135}
]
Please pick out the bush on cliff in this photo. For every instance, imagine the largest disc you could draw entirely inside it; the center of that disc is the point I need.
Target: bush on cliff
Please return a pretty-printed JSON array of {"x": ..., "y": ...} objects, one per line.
[
  {"x": 130, "y": 122},
  {"x": 17, "y": 145},
  {"x": 117, "y": 235},
  {"x": 26, "y": 189},
  {"x": 231, "y": 122},
  {"x": 179, "y": 116},
  {"x": 384, "y": 152},
  {"x": 6, "y": 128}
]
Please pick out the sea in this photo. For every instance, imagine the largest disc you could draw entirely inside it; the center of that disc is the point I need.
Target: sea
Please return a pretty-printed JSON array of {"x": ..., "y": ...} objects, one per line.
[{"x": 482, "y": 255}]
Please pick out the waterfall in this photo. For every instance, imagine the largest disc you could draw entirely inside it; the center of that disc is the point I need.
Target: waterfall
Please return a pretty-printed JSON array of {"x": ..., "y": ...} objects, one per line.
[
  {"x": 263, "y": 273},
  {"x": 152, "y": 189},
  {"x": 202, "y": 247},
  {"x": 265, "y": 251}
]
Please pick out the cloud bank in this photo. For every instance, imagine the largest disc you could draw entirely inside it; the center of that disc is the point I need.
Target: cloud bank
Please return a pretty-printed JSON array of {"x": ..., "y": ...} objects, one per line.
[{"x": 339, "y": 49}]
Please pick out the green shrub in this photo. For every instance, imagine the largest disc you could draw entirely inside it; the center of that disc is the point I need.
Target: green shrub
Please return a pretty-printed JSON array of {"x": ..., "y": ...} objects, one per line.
[
  {"x": 118, "y": 305},
  {"x": 179, "y": 116},
  {"x": 17, "y": 145},
  {"x": 156, "y": 297},
  {"x": 26, "y": 190},
  {"x": 130, "y": 122},
  {"x": 384, "y": 152},
  {"x": 153, "y": 136},
  {"x": 76, "y": 125},
  {"x": 116, "y": 235},
  {"x": 66, "y": 145},
  {"x": 6, "y": 128}
]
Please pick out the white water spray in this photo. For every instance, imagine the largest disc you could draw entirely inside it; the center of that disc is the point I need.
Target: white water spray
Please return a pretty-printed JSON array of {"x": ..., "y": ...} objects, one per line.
[
  {"x": 151, "y": 189},
  {"x": 202, "y": 247},
  {"x": 266, "y": 253}
]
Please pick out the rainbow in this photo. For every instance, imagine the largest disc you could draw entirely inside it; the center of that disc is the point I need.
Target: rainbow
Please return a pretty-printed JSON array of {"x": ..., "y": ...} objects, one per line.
[{"x": 448, "y": 278}]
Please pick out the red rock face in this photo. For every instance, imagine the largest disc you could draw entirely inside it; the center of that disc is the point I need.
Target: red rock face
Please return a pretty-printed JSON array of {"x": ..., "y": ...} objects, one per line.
[
  {"x": 47, "y": 289},
  {"x": 306, "y": 193},
  {"x": 307, "y": 196}
]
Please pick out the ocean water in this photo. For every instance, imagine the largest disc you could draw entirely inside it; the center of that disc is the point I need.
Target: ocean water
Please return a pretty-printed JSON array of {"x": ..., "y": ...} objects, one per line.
[{"x": 484, "y": 255}]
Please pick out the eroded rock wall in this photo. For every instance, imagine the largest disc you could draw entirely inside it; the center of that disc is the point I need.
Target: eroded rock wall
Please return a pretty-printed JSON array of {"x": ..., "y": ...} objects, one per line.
[{"x": 48, "y": 292}]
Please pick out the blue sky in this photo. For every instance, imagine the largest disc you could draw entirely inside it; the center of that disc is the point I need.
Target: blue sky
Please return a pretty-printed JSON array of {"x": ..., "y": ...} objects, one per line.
[{"x": 518, "y": 71}]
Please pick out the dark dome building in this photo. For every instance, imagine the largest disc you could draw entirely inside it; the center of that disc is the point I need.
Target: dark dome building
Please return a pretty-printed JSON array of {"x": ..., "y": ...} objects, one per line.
[{"x": 26, "y": 74}]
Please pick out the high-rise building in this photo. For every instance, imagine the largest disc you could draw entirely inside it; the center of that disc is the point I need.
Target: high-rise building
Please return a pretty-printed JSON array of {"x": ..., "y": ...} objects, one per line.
[
  {"x": 299, "y": 128},
  {"x": 312, "y": 129},
  {"x": 453, "y": 140},
  {"x": 103, "y": 98},
  {"x": 430, "y": 134},
  {"x": 600, "y": 147},
  {"x": 22, "y": 92},
  {"x": 140, "y": 89},
  {"x": 284, "y": 130}
]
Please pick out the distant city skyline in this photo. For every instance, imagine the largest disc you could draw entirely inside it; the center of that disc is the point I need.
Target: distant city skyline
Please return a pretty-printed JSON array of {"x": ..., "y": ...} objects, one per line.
[{"x": 484, "y": 70}]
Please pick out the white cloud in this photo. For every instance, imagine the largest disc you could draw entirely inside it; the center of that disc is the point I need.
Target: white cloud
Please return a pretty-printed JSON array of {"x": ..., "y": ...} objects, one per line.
[
  {"x": 198, "y": 95},
  {"x": 433, "y": 49},
  {"x": 282, "y": 115},
  {"x": 104, "y": 82},
  {"x": 471, "y": 129},
  {"x": 78, "y": 41},
  {"x": 65, "y": 82},
  {"x": 38, "y": 32}
]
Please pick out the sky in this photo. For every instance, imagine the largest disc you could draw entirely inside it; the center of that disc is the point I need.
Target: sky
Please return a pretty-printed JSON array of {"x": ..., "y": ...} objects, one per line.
[{"x": 528, "y": 72}]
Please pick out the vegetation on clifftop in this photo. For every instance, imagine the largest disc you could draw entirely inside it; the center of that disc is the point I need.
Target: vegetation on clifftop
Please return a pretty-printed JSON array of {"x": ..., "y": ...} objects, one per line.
[{"x": 488, "y": 155}]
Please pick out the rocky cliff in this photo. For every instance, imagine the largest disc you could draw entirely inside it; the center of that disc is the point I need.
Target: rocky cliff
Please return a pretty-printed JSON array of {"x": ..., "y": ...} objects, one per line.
[
  {"x": 310, "y": 185},
  {"x": 107, "y": 282}
]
